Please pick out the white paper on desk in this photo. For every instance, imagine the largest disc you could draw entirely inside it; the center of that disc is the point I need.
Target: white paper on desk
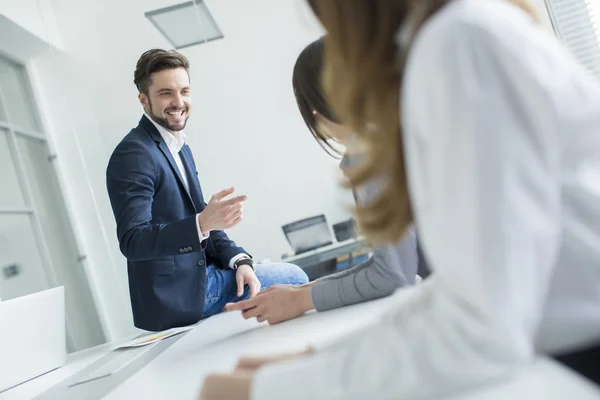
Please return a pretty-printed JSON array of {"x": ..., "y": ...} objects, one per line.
[
  {"x": 121, "y": 359},
  {"x": 155, "y": 337}
]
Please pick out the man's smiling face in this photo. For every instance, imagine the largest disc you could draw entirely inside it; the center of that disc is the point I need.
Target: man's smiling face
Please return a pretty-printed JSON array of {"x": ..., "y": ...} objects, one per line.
[{"x": 169, "y": 98}]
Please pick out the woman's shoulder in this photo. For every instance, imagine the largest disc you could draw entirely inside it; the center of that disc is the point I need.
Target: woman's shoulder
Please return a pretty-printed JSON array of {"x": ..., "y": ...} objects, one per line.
[
  {"x": 486, "y": 15},
  {"x": 466, "y": 22}
]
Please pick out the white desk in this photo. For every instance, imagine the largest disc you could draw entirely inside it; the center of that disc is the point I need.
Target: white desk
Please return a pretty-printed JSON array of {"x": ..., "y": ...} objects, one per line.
[
  {"x": 329, "y": 252},
  {"x": 216, "y": 344},
  {"x": 316, "y": 262}
]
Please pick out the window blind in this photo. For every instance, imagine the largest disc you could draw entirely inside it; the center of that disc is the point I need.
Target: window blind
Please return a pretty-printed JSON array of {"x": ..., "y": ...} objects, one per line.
[{"x": 576, "y": 25}]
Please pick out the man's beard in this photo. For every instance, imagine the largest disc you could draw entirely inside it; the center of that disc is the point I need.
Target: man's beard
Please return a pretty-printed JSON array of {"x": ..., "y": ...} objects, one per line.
[{"x": 165, "y": 122}]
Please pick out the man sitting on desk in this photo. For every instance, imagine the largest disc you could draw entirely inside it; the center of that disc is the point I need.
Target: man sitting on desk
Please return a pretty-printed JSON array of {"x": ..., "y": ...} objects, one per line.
[{"x": 182, "y": 267}]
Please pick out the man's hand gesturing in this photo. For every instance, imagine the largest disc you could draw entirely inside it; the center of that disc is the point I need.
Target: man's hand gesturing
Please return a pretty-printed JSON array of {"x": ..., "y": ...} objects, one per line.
[{"x": 221, "y": 213}]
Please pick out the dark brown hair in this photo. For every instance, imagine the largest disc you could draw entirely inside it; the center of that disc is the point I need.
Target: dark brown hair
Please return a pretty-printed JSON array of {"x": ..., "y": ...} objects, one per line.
[
  {"x": 306, "y": 81},
  {"x": 156, "y": 60},
  {"x": 362, "y": 76}
]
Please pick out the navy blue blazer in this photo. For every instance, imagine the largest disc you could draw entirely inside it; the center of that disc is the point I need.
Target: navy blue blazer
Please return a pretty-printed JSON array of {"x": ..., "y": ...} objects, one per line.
[{"x": 156, "y": 227}]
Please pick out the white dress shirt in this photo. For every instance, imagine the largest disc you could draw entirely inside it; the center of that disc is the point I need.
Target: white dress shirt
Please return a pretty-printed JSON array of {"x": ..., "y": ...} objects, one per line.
[
  {"x": 501, "y": 132},
  {"x": 175, "y": 142}
]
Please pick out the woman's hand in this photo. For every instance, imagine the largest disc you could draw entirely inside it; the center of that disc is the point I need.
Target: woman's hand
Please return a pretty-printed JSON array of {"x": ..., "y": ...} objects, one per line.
[
  {"x": 236, "y": 385},
  {"x": 276, "y": 304},
  {"x": 251, "y": 364},
  {"x": 233, "y": 386}
]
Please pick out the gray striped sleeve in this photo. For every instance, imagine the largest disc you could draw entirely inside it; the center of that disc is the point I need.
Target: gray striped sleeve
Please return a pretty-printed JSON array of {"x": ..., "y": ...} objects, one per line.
[{"x": 390, "y": 267}]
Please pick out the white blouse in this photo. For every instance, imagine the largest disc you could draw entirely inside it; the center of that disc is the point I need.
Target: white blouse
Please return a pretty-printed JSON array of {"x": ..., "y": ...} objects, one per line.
[{"x": 502, "y": 138}]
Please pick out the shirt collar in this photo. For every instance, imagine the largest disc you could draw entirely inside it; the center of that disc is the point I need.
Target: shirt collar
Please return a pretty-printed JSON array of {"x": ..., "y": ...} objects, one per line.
[{"x": 175, "y": 142}]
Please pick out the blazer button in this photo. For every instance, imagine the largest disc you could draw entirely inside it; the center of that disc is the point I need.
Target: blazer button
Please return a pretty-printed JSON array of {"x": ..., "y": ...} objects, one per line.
[
  {"x": 201, "y": 263},
  {"x": 181, "y": 250},
  {"x": 189, "y": 248}
]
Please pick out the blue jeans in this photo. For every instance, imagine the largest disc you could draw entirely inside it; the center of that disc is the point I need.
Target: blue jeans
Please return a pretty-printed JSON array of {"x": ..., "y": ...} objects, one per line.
[{"x": 221, "y": 286}]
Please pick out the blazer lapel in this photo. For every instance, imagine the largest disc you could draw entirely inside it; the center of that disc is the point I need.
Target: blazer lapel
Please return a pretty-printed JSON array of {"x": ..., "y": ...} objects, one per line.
[
  {"x": 150, "y": 128},
  {"x": 195, "y": 190}
]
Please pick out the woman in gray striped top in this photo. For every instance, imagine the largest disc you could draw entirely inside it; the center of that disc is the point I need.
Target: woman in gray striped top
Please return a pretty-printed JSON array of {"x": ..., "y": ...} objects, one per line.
[{"x": 390, "y": 267}]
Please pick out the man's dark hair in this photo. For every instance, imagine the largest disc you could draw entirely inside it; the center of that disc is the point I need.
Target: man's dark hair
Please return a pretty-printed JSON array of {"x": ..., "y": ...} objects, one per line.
[{"x": 156, "y": 60}]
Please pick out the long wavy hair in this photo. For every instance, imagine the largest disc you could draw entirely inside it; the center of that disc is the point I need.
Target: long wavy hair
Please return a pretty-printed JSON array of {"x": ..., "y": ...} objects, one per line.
[{"x": 362, "y": 77}]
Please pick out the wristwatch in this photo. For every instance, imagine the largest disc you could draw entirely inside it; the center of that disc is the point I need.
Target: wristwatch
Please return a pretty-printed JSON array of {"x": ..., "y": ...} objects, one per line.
[{"x": 244, "y": 261}]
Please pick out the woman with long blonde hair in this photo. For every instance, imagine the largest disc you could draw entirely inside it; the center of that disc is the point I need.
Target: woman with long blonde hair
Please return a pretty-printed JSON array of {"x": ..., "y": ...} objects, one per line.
[
  {"x": 391, "y": 266},
  {"x": 498, "y": 165}
]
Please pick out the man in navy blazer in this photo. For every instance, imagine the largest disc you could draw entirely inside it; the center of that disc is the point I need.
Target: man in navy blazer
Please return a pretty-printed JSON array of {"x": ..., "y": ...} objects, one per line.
[{"x": 182, "y": 267}]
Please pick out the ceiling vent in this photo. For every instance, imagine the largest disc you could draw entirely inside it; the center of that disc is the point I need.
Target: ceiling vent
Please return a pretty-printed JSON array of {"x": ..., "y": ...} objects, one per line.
[{"x": 186, "y": 24}]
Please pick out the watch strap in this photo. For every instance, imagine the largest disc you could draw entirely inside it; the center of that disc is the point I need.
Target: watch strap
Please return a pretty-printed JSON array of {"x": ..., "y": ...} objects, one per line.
[{"x": 244, "y": 261}]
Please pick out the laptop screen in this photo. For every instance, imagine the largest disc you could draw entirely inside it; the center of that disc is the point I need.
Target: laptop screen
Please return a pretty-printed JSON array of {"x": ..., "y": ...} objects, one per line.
[{"x": 308, "y": 234}]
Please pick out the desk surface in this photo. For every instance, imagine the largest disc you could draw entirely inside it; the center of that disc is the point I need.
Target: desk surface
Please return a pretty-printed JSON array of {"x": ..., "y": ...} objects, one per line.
[
  {"x": 324, "y": 249},
  {"x": 216, "y": 344},
  {"x": 327, "y": 252}
]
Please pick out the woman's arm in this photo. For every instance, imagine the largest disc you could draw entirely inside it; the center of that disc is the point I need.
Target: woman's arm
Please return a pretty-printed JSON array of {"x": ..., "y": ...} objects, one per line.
[{"x": 390, "y": 268}]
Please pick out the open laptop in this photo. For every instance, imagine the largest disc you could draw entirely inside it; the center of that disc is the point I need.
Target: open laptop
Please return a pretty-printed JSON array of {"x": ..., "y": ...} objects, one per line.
[
  {"x": 32, "y": 336},
  {"x": 308, "y": 234}
]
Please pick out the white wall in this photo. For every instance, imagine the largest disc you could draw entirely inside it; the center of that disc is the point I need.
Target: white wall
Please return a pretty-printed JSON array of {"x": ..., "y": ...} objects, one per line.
[
  {"x": 34, "y": 16},
  {"x": 62, "y": 256},
  {"x": 73, "y": 125},
  {"x": 245, "y": 129}
]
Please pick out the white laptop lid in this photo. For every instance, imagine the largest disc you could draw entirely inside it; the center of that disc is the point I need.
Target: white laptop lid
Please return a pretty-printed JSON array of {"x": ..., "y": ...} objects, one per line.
[{"x": 32, "y": 336}]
